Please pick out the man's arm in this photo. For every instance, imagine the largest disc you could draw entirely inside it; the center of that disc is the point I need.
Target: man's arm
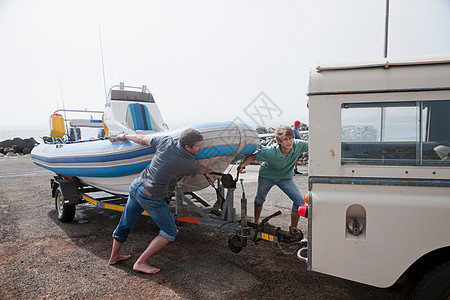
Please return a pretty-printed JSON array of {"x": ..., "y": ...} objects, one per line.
[
  {"x": 248, "y": 160},
  {"x": 204, "y": 170},
  {"x": 137, "y": 138}
]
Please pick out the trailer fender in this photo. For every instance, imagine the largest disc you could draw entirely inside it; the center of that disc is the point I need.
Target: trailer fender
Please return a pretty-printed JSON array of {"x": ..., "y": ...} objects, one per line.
[{"x": 69, "y": 190}]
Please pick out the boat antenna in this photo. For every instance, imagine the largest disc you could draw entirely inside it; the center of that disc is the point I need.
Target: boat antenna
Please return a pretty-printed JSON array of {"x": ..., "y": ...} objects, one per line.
[
  {"x": 386, "y": 29},
  {"x": 103, "y": 64},
  {"x": 64, "y": 108}
]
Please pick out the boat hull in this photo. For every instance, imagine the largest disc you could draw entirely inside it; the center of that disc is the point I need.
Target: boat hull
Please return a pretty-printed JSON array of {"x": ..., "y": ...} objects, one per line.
[{"x": 113, "y": 166}]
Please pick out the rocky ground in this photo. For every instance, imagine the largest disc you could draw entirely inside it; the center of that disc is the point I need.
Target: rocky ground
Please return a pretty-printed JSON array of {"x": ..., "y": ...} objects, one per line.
[{"x": 44, "y": 258}]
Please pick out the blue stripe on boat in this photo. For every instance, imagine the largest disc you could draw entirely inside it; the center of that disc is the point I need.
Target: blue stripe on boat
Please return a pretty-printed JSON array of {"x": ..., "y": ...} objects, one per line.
[
  {"x": 140, "y": 117},
  {"x": 216, "y": 151},
  {"x": 133, "y": 116},
  {"x": 99, "y": 172},
  {"x": 148, "y": 123},
  {"x": 96, "y": 158},
  {"x": 225, "y": 150},
  {"x": 249, "y": 149}
]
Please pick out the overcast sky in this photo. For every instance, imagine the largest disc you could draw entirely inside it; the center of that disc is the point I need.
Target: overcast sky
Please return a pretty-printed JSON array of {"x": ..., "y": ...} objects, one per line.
[{"x": 202, "y": 60}]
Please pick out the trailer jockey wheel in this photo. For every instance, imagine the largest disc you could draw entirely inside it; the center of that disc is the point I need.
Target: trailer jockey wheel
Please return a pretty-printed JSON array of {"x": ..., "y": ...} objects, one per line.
[
  {"x": 65, "y": 212},
  {"x": 235, "y": 242}
]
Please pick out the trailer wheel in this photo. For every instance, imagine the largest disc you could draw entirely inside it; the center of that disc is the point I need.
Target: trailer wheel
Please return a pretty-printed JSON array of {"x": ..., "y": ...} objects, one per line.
[
  {"x": 435, "y": 285},
  {"x": 65, "y": 212},
  {"x": 231, "y": 243}
]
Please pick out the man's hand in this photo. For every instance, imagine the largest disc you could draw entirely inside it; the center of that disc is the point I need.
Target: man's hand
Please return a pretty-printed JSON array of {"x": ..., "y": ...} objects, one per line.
[
  {"x": 241, "y": 169},
  {"x": 246, "y": 162},
  {"x": 204, "y": 170},
  {"x": 121, "y": 137}
]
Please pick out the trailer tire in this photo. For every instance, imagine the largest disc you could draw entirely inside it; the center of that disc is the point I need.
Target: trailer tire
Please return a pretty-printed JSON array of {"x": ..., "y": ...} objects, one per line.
[
  {"x": 435, "y": 285},
  {"x": 65, "y": 212}
]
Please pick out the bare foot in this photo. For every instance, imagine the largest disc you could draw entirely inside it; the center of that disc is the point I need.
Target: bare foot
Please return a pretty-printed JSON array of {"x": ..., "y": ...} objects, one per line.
[
  {"x": 144, "y": 268},
  {"x": 113, "y": 260}
]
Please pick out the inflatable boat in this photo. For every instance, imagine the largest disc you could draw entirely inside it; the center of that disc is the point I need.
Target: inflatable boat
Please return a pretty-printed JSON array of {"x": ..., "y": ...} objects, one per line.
[{"x": 110, "y": 165}]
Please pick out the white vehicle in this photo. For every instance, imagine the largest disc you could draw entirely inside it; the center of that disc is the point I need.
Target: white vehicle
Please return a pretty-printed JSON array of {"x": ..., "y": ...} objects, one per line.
[{"x": 379, "y": 173}]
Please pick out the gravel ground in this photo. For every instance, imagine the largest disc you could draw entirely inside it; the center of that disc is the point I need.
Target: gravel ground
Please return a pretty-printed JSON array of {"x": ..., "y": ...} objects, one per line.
[{"x": 44, "y": 258}]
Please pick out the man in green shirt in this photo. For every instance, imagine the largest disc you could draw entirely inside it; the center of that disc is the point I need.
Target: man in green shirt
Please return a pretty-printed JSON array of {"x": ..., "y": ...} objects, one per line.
[{"x": 278, "y": 169}]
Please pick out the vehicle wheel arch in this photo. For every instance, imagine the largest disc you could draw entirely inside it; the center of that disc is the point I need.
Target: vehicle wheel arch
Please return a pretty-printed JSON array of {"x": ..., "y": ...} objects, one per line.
[{"x": 422, "y": 266}]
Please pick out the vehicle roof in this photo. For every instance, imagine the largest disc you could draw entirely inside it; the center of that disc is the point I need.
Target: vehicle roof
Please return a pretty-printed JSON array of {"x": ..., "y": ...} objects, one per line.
[{"x": 381, "y": 75}]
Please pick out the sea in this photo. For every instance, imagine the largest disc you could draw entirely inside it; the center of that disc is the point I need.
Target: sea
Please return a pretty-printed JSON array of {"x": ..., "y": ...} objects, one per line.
[
  {"x": 24, "y": 133},
  {"x": 38, "y": 132}
]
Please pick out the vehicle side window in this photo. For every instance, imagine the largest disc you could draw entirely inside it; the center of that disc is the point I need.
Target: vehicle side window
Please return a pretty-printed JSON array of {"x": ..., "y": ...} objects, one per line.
[
  {"x": 436, "y": 132},
  {"x": 401, "y": 133}
]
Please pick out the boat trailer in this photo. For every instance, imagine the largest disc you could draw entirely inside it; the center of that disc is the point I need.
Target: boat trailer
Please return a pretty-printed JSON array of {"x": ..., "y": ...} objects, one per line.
[{"x": 188, "y": 207}]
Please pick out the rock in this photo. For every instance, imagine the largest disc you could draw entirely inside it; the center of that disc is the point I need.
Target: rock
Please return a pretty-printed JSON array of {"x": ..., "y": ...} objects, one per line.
[
  {"x": 16, "y": 149},
  {"x": 10, "y": 154},
  {"x": 261, "y": 130},
  {"x": 17, "y": 145},
  {"x": 26, "y": 151},
  {"x": 6, "y": 150},
  {"x": 304, "y": 127}
]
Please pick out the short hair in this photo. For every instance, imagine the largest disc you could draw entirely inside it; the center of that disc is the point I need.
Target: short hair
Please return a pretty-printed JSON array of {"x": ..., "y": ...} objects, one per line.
[
  {"x": 283, "y": 131},
  {"x": 189, "y": 137}
]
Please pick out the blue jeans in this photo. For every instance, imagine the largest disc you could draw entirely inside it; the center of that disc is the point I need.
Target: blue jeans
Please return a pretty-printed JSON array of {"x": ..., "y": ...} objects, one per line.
[
  {"x": 156, "y": 208},
  {"x": 286, "y": 185}
]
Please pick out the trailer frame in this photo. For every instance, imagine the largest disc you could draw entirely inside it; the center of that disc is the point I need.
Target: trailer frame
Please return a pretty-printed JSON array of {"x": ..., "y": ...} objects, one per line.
[{"x": 187, "y": 207}]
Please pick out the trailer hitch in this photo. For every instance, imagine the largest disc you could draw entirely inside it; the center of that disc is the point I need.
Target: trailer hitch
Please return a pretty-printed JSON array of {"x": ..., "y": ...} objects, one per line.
[
  {"x": 266, "y": 228},
  {"x": 269, "y": 232},
  {"x": 250, "y": 230}
]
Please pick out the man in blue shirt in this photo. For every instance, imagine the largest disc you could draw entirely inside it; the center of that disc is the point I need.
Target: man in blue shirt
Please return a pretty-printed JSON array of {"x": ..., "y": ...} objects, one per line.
[
  {"x": 171, "y": 162},
  {"x": 278, "y": 169},
  {"x": 297, "y": 136},
  {"x": 296, "y": 130}
]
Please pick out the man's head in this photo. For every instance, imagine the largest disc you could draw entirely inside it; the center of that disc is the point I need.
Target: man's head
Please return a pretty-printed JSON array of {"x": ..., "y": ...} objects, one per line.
[
  {"x": 191, "y": 140},
  {"x": 284, "y": 136},
  {"x": 297, "y": 124}
]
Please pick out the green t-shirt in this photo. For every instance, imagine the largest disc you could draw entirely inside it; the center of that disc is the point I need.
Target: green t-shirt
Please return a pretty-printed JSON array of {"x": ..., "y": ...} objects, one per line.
[{"x": 277, "y": 166}]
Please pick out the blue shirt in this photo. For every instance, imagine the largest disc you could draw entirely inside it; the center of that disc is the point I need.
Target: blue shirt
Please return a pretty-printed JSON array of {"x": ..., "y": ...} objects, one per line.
[
  {"x": 277, "y": 166},
  {"x": 297, "y": 134},
  {"x": 170, "y": 163}
]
